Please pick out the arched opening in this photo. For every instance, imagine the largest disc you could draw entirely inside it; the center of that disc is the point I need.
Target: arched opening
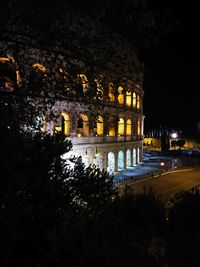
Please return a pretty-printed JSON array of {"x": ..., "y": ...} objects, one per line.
[
  {"x": 128, "y": 158},
  {"x": 9, "y": 75},
  {"x": 121, "y": 127},
  {"x": 128, "y": 98},
  {"x": 111, "y": 163},
  {"x": 99, "y": 161},
  {"x": 82, "y": 79},
  {"x": 100, "y": 126},
  {"x": 37, "y": 76},
  {"x": 138, "y": 102},
  {"x": 120, "y": 95},
  {"x": 59, "y": 124},
  {"x": 85, "y": 160},
  {"x": 111, "y": 126},
  {"x": 111, "y": 92},
  {"x": 134, "y": 100},
  {"x": 99, "y": 92},
  {"x": 128, "y": 127},
  {"x": 62, "y": 124},
  {"x": 83, "y": 126},
  {"x": 134, "y": 157},
  {"x": 120, "y": 160}
]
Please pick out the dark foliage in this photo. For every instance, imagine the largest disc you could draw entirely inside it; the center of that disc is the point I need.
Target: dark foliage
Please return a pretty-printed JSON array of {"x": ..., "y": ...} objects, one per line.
[{"x": 183, "y": 244}]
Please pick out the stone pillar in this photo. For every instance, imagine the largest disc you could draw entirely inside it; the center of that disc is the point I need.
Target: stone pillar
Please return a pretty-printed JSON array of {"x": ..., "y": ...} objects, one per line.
[
  {"x": 91, "y": 125},
  {"x": 124, "y": 150},
  {"x": 133, "y": 128},
  {"x": 125, "y": 129},
  {"x": 141, "y": 153},
  {"x": 105, "y": 161},
  {"x": 106, "y": 124},
  {"x": 73, "y": 125},
  {"x": 116, "y": 127}
]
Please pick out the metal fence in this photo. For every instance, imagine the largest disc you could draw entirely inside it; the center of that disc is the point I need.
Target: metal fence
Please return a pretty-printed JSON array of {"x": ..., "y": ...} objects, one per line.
[{"x": 127, "y": 179}]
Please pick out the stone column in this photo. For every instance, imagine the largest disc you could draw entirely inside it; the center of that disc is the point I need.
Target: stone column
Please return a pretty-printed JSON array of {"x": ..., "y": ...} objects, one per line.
[
  {"x": 73, "y": 124},
  {"x": 91, "y": 125},
  {"x": 124, "y": 150},
  {"x": 105, "y": 161},
  {"x": 105, "y": 124},
  {"x": 125, "y": 129},
  {"x": 116, "y": 120}
]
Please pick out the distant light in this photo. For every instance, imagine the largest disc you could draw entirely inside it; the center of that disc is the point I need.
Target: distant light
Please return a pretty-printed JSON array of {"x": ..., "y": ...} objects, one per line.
[
  {"x": 79, "y": 135},
  {"x": 162, "y": 164},
  {"x": 174, "y": 135}
]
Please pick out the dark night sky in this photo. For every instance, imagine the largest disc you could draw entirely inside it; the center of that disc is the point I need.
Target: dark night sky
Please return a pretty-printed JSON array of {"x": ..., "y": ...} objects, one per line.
[{"x": 171, "y": 81}]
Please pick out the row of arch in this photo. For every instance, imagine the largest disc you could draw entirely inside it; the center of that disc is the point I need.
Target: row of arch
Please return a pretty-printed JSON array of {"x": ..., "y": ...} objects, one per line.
[
  {"x": 10, "y": 74},
  {"x": 131, "y": 160},
  {"x": 10, "y": 79},
  {"x": 100, "y": 127},
  {"x": 116, "y": 161},
  {"x": 129, "y": 97}
]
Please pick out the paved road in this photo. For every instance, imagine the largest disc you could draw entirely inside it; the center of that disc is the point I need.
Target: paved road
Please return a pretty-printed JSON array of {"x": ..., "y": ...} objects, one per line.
[{"x": 169, "y": 183}]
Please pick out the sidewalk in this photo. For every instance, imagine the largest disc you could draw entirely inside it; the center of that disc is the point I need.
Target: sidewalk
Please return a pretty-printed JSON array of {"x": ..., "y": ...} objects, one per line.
[{"x": 141, "y": 171}]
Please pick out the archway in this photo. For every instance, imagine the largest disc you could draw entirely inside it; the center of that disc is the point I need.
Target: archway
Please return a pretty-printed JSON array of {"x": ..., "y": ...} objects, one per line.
[
  {"x": 111, "y": 162},
  {"x": 99, "y": 161},
  {"x": 134, "y": 157},
  {"x": 100, "y": 126},
  {"x": 121, "y": 127},
  {"x": 120, "y": 160},
  {"x": 111, "y": 126},
  {"x": 111, "y": 92},
  {"x": 83, "y": 126},
  {"x": 128, "y": 127},
  {"x": 120, "y": 95},
  {"x": 128, "y": 158},
  {"x": 82, "y": 79},
  {"x": 9, "y": 75},
  {"x": 128, "y": 98},
  {"x": 62, "y": 124}
]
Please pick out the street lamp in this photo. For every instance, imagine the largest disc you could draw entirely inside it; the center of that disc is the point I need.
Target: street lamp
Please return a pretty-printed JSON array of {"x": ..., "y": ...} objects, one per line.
[
  {"x": 174, "y": 135},
  {"x": 162, "y": 164}
]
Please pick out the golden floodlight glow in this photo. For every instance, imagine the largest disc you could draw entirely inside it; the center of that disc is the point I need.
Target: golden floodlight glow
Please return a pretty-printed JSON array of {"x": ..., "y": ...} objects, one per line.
[
  {"x": 128, "y": 98},
  {"x": 39, "y": 67},
  {"x": 134, "y": 100},
  {"x": 84, "y": 82},
  {"x": 120, "y": 95},
  {"x": 3, "y": 59}
]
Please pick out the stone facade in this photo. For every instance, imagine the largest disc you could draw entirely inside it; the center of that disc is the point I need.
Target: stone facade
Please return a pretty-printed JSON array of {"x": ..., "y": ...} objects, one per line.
[
  {"x": 104, "y": 122},
  {"x": 109, "y": 135}
]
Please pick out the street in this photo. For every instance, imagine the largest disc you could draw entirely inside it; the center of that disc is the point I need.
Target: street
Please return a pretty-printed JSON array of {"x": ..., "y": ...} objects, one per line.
[{"x": 167, "y": 184}]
